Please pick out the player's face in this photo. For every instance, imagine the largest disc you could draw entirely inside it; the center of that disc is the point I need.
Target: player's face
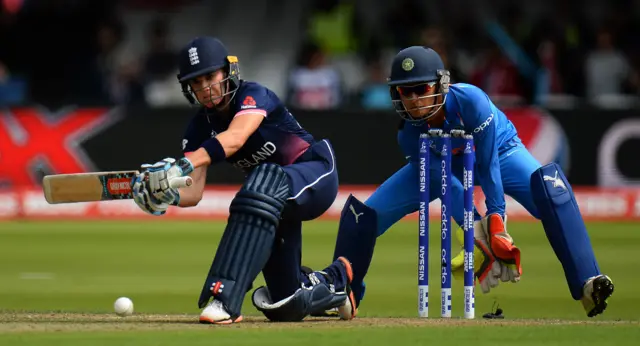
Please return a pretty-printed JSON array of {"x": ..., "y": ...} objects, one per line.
[
  {"x": 208, "y": 88},
  {"x": 418, "y": 99}
]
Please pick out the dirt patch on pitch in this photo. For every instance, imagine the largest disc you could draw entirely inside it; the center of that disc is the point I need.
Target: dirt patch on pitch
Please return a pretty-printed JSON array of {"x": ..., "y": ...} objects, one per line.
[{"x": 60, "y": 322}]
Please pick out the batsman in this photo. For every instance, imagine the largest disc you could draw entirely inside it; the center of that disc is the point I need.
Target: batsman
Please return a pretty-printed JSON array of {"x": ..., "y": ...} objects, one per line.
[
  {"x": 424, "y": 98},
  {"x": 290, "y": 177}
]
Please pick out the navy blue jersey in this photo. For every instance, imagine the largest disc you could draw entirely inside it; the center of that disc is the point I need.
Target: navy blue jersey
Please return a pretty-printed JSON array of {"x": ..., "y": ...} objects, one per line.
[{"x": 279, "y": 139}]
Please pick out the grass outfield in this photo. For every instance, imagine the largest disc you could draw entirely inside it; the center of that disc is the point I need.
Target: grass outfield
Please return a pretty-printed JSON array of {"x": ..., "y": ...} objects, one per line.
[{"x": 59, "y": 280}]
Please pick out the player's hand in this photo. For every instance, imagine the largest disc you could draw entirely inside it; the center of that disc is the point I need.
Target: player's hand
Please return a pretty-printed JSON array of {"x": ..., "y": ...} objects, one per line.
[
  {"x": 487, "y": 268},
  {"x": 503, "y": 247},
  {"x": 144, "y": 199},
  {"x": 160, "y": 173}
]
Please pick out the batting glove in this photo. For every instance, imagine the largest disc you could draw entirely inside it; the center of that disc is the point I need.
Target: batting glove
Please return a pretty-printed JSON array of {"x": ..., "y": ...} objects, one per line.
[
  {"x": 144, "y": 199},
  {"x": 159, "y": 175}
]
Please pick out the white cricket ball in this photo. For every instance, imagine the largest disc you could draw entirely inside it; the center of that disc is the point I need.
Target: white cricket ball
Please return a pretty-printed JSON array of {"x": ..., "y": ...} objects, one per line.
[{"x": 123, "y": 306}]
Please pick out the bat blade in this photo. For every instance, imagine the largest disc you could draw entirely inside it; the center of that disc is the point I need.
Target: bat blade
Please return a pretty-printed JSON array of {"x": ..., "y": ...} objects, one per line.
[{"x": 88, "y": 187}]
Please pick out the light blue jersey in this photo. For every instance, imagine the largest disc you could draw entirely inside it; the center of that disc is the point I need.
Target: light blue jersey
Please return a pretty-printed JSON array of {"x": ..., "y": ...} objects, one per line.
[
  {"x": 503, "y": 165},
  {"x": 467, "y": 107}
]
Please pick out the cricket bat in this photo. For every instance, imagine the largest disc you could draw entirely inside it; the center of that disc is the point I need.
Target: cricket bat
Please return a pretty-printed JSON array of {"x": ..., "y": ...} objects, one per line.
[{"x": 95, "y": 186}]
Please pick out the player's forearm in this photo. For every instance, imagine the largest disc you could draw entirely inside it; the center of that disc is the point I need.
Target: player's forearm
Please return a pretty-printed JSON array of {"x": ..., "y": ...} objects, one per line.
[
  {"x": 192, "y": 195},
  {"x": 189, "y": 198},
  {"x": 490, "y": 178},
  {"x": 231, "y": 142},
  {"x": 217, "y": 149},
  {"x": 488, "y": 166},
  {"x": 199, "y": 158},
  {"x": 494, "y": 194}
]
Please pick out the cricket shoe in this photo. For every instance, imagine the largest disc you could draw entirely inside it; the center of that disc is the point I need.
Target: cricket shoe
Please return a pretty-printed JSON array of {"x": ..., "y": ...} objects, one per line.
[
  {"x": 595, "y": 294},
  {"x": 340, "y": 275},
  {"x": 307, "y": 279},
  {"x": 334, "y": 312},
  {"x": 216, "y": 313}
]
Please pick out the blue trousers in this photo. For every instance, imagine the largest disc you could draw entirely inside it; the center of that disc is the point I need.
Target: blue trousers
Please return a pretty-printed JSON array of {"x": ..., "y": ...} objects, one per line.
[
  {"x": 314, "y": 184},
  {"x": 398, "y": 196}
]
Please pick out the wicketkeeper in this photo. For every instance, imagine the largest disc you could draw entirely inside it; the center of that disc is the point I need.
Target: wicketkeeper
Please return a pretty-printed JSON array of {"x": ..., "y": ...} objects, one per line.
[{"x": 424, "y": 98}]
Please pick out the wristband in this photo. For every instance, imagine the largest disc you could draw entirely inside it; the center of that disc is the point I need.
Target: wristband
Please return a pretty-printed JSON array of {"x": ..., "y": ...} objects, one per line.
[{"x": 214, "y": 149}]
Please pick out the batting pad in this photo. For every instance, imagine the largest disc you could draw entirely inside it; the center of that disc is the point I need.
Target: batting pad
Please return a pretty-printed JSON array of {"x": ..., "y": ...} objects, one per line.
[
  {"x": 299, "y": 305},
  {"x": 246, "y": 243}
]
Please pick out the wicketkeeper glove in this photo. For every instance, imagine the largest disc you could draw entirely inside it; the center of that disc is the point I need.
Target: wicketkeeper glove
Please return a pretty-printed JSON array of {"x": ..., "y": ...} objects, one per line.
[
  {"x": 503, "y": 247},
  {"x": 486, "y": 268}
]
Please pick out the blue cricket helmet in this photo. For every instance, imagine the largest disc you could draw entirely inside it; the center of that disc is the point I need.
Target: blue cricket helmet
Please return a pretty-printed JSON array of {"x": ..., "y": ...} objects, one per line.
[
  {"x": 204, "y": 55},
  {"x": 414, "y": 69}
]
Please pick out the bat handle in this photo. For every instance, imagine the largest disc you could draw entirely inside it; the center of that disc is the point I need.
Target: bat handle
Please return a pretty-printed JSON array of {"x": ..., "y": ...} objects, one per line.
[{"x": 180, "y": 182}]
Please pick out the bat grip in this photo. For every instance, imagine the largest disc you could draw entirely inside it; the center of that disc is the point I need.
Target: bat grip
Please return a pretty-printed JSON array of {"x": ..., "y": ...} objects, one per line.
[{"x": 180, "y": 182}]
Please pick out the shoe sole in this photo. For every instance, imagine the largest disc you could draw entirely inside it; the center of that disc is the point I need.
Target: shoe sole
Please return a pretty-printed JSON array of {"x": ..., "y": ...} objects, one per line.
[
  {"x": 326, "y": 313},
  {"x": 205, "y": 320},
  {"x": 602, "y": 290},
  {"x": 350, "y": 296}
]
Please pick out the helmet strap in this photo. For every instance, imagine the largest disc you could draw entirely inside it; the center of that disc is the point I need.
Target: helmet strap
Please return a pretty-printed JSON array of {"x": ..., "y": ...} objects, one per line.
[
  {"x": 188, "y": 94},
  {"x": 445, "y": 81}
]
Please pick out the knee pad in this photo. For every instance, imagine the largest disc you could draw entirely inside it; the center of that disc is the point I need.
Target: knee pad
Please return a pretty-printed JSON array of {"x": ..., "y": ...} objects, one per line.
[
  {"x": 245, "y": 247},
  {"x": 263, "y": 195},
  {"x": 299, "y": 305},
  {"x": 554, "y": 200},
  {"x": 563, "y": 225},
  {"x": 356, "y": 241}
]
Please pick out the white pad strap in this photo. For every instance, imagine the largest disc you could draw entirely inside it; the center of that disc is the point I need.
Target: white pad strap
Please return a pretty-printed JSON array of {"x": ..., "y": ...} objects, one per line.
[{"x": 262, "y": 299}]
